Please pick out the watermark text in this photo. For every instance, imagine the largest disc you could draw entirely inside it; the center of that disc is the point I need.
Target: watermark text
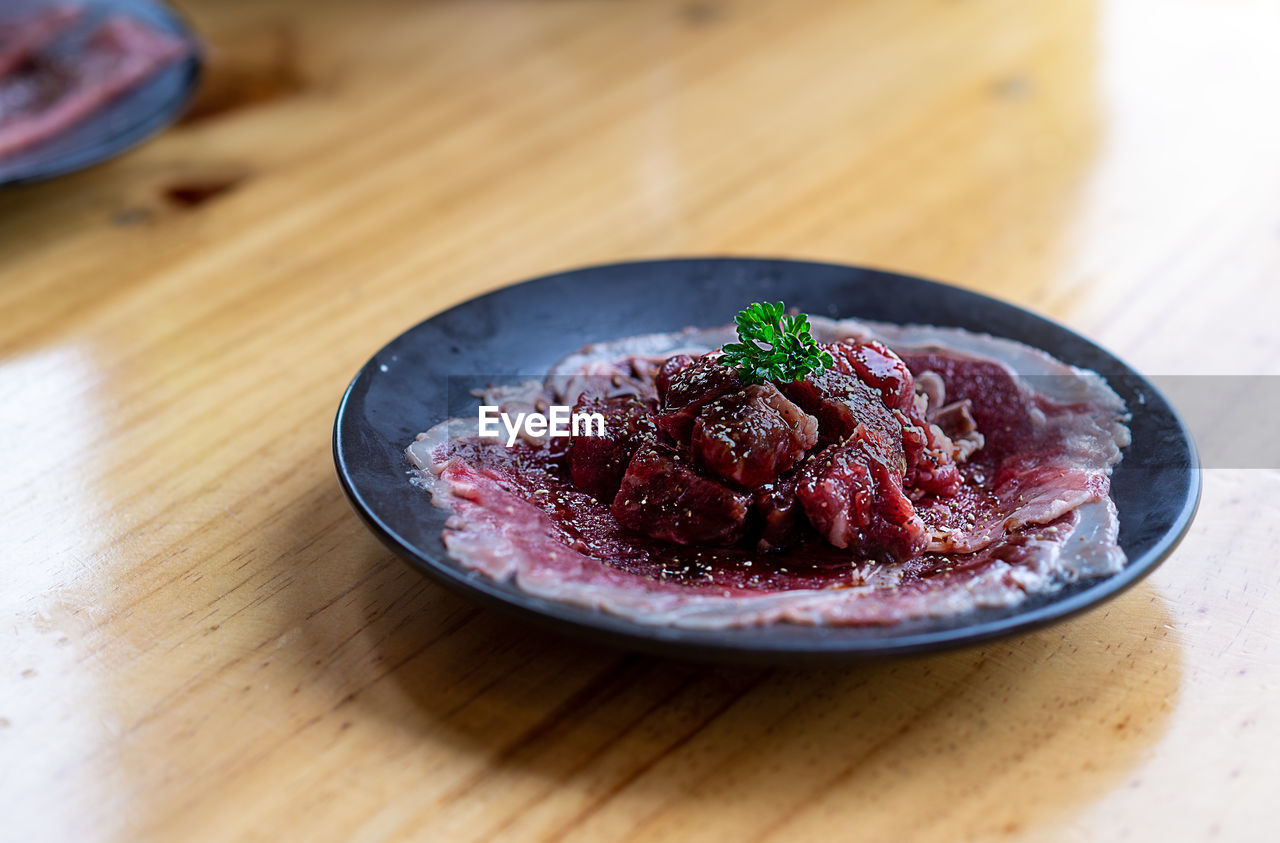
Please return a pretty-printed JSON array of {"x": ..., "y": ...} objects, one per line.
[{"x": 558, "y": 421}]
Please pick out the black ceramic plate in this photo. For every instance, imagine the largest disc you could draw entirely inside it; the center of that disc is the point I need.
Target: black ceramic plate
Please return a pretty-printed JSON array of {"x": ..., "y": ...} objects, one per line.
[
  {"x": 525, "y": 328},
  {"x": 122, "y": 123}
]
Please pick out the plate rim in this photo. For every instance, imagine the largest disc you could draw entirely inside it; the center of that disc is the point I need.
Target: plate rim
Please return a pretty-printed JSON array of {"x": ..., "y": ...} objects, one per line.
[{"x": 711, "y": 645}]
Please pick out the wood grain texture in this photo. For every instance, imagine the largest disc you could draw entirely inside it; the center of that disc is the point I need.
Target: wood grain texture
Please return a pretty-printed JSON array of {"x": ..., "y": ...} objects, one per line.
[{"x": 202, "y": 642}]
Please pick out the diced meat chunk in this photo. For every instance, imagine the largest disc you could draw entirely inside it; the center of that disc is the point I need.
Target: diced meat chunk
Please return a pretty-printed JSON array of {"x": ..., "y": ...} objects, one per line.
[
  {"x": 697, "y": 382},
  {"x": 842, "y": 398},
  {"x": 843, "y": 402},
  {"x": 753, "y": 435},
  {"x": 685, "y": 387},
  {"x": 665, "y": 497},
  {"x": 716, "y": 449},
  {"x": 854, "y": 497},
  {"x": 669, "y": 368},
  {"x": 597, "y": 463},
  {"x": 781, "y": 517},
  {"x": 878, "y": 367}
]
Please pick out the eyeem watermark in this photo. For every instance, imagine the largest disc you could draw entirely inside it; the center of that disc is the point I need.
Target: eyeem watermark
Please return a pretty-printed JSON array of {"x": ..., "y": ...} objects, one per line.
[{"x": 559, "y": 421}]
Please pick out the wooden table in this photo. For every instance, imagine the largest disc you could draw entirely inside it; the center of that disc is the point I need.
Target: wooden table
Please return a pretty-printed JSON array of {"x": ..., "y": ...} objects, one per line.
[{"x": 201, "y": 641}]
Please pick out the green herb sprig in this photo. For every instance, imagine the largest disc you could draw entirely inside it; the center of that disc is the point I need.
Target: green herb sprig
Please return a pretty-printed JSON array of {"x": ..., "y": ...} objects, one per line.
[{"x": 773, "y": 346}]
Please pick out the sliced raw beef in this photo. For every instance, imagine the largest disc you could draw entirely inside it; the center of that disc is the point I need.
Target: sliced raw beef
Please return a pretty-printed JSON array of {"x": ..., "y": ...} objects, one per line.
[
  {"x": 23, "y": 38},
  {"x": 46, "y": 95}
]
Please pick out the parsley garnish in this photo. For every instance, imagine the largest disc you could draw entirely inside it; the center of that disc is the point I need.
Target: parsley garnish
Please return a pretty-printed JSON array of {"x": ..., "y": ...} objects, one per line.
[{"x": 773, "y": 346}]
